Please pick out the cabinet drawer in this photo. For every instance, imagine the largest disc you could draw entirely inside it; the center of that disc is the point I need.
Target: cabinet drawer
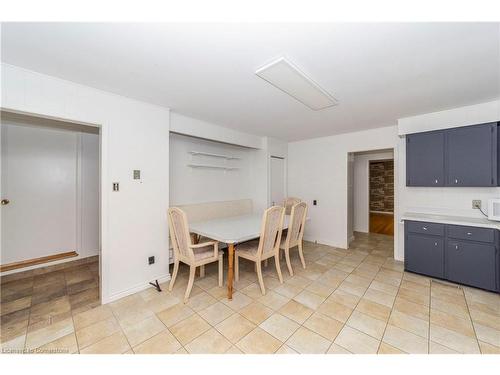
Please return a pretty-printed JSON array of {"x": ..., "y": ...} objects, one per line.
[
  {"x": 471, "y": 233},
  {"x": 425, "y": 228}
]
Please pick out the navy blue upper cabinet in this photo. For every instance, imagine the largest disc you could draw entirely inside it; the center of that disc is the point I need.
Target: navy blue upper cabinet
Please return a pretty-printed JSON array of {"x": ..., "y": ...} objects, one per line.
[
  {"x": 471, "y": 156},
  {"x": 465, "y": 156},
  {"x": 425, "y": 159}
]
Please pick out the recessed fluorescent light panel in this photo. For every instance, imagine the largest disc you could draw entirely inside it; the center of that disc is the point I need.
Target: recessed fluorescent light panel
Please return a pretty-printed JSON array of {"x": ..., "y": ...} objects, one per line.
[{"x": 289, "y": 79}]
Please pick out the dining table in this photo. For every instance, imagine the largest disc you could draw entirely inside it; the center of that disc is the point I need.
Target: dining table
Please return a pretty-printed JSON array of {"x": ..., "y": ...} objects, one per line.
[{"x": 231, "y": 231}]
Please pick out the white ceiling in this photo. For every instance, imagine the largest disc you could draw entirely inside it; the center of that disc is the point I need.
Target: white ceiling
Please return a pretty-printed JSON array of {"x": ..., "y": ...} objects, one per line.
[{"x": 378, "y": 72}]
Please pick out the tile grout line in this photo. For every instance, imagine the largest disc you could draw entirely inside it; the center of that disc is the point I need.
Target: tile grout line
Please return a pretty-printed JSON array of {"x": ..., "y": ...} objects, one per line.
[
  {"x": 29, "y": 315},
  {"x": 314, "y": 310},
  {"x": 386, "y": 323},
  {"x": 349, "y": 259},
  {"x": 446, "y": 346},
  {"x": 333, "y": 341},
  {"x": 72, "y": 316},
  {"x": 333, "y": 266},
  {"x": 277, "y": 312},
  {"x": 429, "y": 329},
  {"x": 471, "y": 321},
  {"x": 364, "y": 293}
]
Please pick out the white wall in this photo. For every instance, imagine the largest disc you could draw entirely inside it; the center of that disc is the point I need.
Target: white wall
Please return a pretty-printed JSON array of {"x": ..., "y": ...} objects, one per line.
[
  {"x": 451, "y": 118},
  {"x": 69, "y": 221},
  {"x": 350, "y": 197},
  {"x": 196, "y": 185},
  {"x": 277, "y": 148},
  {"x": 361, "y": 188},
  {"x": 186, "y": 125},
  {"x": 89, "y": 194},
  {"x": 134, "y": 135},
  {"x": 262, "y": 148},
  {"x": 258, "y": 153},
  {"x": 317, "y": 169}
]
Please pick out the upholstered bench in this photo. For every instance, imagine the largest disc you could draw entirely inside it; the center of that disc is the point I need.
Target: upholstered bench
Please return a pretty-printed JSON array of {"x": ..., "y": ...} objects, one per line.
[{"x": 214, "y": 210}]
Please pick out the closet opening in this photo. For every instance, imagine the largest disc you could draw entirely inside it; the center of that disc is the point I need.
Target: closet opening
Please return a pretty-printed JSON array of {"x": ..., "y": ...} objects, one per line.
[{"x": 50, "y": 216}]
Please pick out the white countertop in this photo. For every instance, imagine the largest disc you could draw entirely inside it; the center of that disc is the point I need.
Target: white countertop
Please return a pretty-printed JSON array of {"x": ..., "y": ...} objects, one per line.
[{"x": 455, "y": 220}]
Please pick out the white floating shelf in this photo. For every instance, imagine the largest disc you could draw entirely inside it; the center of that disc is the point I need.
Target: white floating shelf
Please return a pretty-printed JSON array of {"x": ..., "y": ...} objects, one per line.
[
  {"x": 227, "y": 157},
  {"x": 208, "y": 166}
]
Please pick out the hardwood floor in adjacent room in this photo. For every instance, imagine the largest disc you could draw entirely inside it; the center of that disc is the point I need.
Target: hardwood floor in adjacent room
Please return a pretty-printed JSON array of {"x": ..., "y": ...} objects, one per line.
[{"x": 382, "y": 223}]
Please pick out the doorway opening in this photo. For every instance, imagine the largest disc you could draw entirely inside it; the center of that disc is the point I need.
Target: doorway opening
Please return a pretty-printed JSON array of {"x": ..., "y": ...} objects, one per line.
[
  {"x": 381, "y": 186},
  {"x": 371, "y": 192},
  {"x": 50, "y": 217}
]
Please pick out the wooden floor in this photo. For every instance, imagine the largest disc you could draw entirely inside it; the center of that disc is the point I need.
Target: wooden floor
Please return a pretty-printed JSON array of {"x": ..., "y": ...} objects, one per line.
[{"x": 382, "y": 223}]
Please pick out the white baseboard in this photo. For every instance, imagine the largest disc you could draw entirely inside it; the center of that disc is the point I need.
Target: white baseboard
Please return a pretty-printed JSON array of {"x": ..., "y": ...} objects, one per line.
[
  {"x": 138, "y": 288},
  {"x": 322, "y": 242}
]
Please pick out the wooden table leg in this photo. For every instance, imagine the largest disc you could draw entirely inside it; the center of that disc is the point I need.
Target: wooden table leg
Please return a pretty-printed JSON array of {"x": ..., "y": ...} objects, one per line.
[{"x": 230, "y": 256}]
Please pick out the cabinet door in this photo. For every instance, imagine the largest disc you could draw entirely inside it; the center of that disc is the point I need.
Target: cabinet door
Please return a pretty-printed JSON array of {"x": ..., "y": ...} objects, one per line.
[
  {"x": 471, "y": 155},
  {"x": 471, "y": 263},
  {"x": 424, "y": 254},
  {"x": 425, "y": 159}
]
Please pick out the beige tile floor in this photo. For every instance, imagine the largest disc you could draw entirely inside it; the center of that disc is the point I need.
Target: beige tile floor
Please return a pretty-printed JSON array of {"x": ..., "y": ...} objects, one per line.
[{"x": 346, "y": 301}]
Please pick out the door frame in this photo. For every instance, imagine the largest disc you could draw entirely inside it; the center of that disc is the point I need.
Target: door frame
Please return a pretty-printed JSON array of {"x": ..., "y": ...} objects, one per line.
[
  {"x": 103, "y": 132},
  {"x": 395, "y": 148},
  {"x": 369, "y": 189}
]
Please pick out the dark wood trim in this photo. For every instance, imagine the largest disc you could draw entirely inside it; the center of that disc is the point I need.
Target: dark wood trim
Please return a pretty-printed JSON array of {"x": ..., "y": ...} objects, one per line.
[{"x": 35, "y": 261}]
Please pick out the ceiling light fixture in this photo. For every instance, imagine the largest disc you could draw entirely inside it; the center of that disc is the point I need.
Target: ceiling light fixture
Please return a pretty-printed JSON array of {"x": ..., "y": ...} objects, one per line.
[{"x": 285, "y": 76}]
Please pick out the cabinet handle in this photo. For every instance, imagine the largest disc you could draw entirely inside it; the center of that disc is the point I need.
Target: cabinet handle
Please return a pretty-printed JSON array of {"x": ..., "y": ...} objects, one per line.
[
  {"x": 469, "y": 233},
  {"x": 435, "y": 243},
  {"x": 436, "y": 181},
  {"x": 456, "y": 247},
  {"x": 424, "y": 228},
  {"x": 456, "y": 181}
]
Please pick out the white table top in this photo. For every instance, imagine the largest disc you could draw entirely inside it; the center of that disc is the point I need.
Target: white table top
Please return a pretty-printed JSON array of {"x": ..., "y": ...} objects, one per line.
[
  {"x": 233, "y": 230},
  {"x": 455, "y": 220}
]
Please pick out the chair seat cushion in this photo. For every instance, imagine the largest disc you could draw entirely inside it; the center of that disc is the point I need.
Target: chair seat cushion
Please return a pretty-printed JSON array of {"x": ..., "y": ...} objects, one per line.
[
  {"x": 203, "y": 253},
  {"x": 248, "y": 248}
]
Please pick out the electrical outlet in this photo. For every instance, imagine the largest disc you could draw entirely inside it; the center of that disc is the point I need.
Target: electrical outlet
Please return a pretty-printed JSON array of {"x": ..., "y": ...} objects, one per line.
[
  {"x": 476, "y": 203},
  {"x": 315, "y": 202},
  {"x": 151, "y": 260}
]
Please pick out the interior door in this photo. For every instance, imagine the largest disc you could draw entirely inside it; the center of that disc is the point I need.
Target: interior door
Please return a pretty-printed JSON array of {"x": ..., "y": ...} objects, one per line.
[
  {"x": 39, "y": 168},
  {"x": 277, "y": 180}
]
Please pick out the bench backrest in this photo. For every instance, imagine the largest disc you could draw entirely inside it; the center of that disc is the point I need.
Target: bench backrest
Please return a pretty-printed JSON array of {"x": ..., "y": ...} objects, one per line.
[{"x": 216, "y": 210}]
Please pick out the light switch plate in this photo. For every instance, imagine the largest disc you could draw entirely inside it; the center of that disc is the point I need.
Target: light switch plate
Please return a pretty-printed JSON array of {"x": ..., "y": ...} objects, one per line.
[
  {"x": 137, "y": 174},
  {"x": 476, "y": 203}
]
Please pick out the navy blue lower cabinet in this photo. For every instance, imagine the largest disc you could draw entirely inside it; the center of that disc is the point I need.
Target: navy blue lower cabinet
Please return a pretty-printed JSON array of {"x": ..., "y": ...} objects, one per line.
[
  {"x": 471, "y": 263},
  {"x": 424, "y": 254},
  {"x": 463, "y": 254}
]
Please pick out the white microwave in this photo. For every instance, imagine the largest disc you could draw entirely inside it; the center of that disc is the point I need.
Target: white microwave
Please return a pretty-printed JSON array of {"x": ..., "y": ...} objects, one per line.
[{"x": 494, "y": 209}]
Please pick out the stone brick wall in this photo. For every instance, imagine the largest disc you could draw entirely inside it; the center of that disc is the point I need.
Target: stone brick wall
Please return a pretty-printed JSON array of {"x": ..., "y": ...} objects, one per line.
[{"x": 382, "y": 185}]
